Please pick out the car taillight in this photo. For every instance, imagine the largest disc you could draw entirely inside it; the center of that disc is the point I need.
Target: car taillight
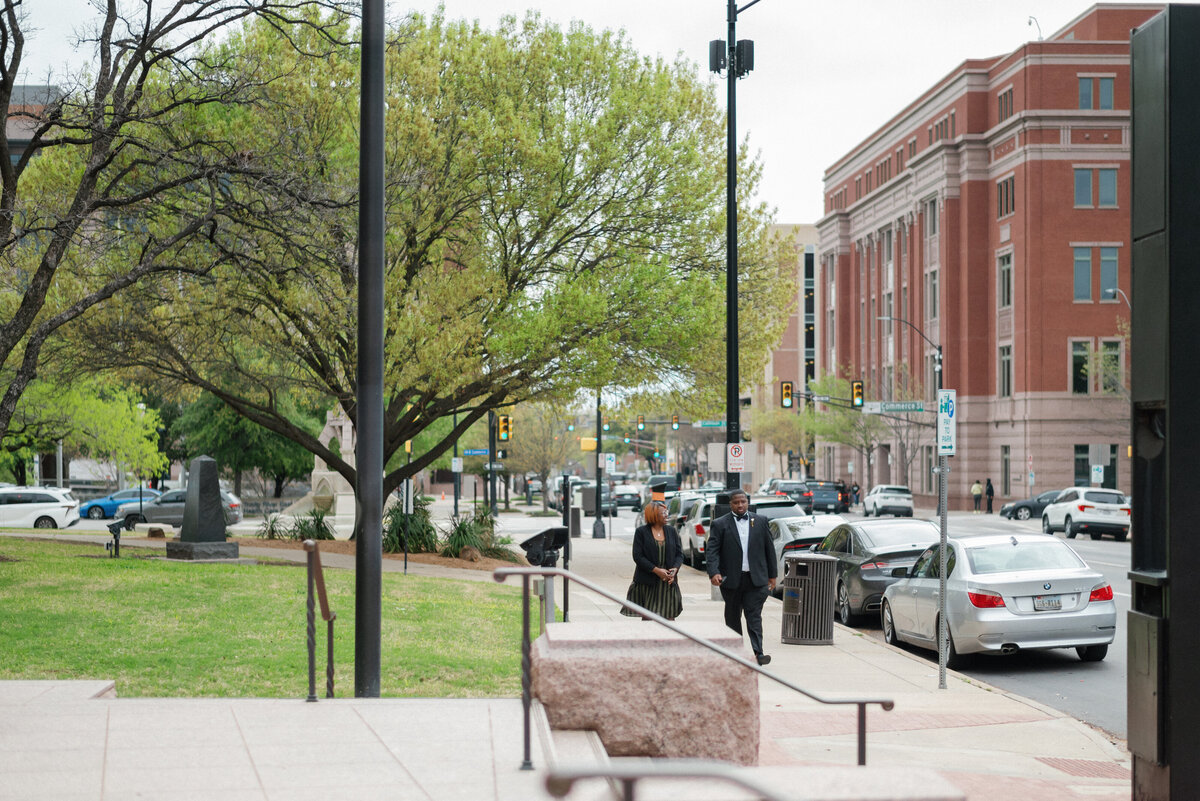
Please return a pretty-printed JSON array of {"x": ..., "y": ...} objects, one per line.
[
  {"x": 1127, "y": 511},
  {"x": 808, "y": 495},
  {"x": 700, "y": 529},
  {"x": 985, "y": 599},
  {"x": 1083, "y": 507},
  {"x": 875, "y": 566},
  {"x": 1102, "y": 593}
]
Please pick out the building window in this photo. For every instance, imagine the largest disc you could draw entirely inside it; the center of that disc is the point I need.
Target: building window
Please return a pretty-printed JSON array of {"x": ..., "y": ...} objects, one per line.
[
  {"x": 931, "y": 218},
  {"x": 1083, "y": 469},
  {"x": 1111, "y": 373},
  {"x": 1083, "y": 188},
  {"x": 1004, "y": 386},
  {"x": 1079, "y": 367},
  {"x": 889, "y": 313},
  {"x": 832, "y": 336},
  {"x": 1083, "y": 273},
  {"x": 1004, "y": 102},
  {"x": 1085, "y": 93},
  {"x": 912, "y": 147},
  {"x": 931, "y": 295},
  {"x": 1005, "y": 471},
  {"x": 858, "y": 187},
  {"x": 1106, "y": 188},
  {"x": 1096, "y": 93},
  {"x": 1108, "y": 273},
  {"x": 1005, "y": 201},
  {"x": 1004, "y": 288},
  {"x": 1106, "y": 93}
]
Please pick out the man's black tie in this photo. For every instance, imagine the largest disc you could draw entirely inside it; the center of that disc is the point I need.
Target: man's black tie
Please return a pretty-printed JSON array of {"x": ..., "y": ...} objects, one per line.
[{"x": 740, "y": 518}]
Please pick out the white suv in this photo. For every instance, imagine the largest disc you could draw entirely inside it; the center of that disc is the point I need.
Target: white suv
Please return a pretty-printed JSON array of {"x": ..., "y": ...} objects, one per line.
[
  {"x": 1087, "y": 510},
  {"x": 888, "y": 500},
  {"x": 37, "y": 507}
]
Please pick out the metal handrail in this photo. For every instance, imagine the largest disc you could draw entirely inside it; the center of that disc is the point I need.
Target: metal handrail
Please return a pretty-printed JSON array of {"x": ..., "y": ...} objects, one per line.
[
  {"x": 500, "y": 574},
  {"x": 316, "y": 578},
  {"x": 560, "y": 781}
]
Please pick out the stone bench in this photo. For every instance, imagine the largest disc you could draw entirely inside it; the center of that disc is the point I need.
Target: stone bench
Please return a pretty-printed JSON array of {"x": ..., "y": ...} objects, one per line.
[{"x": 647, "y": 691}]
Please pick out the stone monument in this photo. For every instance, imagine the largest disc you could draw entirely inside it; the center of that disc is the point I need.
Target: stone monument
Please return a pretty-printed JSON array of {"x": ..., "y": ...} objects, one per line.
[
  {"x": 203, "y": 534},
  {"x": 331, "y": 492}
]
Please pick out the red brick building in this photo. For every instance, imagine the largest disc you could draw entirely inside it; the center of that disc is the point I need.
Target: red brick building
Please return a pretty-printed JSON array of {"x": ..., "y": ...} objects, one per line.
[{"x": 993, "y": 214}]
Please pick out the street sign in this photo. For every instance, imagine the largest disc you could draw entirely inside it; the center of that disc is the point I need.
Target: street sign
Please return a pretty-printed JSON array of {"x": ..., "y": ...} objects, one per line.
[
  {"x": 456, "y": 464},
  {"x": 610, "y": 463},
  {"x": 947, "y": 423},
  {"x": 475, "y": 451},
  {"x": 709, "y": 424},
  {"x": 495, "y": 467},
  {"x": 872, "y": 407},
  {"x": 821, "y": 398},
  {"x": 1031, "y": 478},
  {"x": 1097, "y": 474},
  {"x": 735, "y": 458},
  {"x": 902, "y": 406}
]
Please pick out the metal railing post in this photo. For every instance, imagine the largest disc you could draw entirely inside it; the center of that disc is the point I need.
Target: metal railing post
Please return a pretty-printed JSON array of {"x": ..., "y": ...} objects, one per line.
[
  {"x": 526, "y": 682},
  {"x": 329, "y": 659},
  {"x": 862, "y": 734},
  {"x": 312, "y": 633}
]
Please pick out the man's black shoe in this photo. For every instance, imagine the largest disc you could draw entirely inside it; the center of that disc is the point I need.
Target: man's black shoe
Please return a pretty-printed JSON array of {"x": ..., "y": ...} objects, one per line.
[{"x": 764, "y": 659}]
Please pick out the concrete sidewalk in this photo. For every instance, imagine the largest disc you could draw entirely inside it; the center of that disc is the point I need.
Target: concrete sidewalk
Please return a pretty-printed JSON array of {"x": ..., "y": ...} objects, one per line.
[{"x": 58, "y": 742}]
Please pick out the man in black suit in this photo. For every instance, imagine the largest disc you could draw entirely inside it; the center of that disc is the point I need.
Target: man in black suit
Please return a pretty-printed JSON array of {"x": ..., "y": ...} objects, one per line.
[{"x": 741, "y": 561}]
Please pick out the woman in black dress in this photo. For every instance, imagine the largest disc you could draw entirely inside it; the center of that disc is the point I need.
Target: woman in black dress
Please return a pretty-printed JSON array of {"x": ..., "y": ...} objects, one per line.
[{"x": 657, "y": 555}]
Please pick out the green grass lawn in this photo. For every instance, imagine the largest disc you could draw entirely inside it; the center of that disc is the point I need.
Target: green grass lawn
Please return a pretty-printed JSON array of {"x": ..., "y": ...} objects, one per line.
[{"x": 165, "y": 628}]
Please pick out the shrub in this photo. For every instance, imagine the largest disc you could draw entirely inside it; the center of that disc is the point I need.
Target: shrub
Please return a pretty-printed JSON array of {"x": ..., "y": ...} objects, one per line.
[
  {"x": 312, "y": 526},
  {"x": 464, "y": 532},
  {"x": 273, "y": 528},
  {"x": 479, "y": 532},
  {"x": 417, "y": 529}
]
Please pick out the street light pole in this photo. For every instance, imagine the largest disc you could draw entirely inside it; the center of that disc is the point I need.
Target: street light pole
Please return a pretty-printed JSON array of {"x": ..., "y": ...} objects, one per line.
[
  {"x": 598, "y": 526},
  {"x": 1114, "y": 291},
  {"x": 943, "y": 470}
]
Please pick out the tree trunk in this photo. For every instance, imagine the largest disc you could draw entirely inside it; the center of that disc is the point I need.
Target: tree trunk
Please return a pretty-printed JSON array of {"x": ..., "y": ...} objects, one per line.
[
  {"x": 237, "y": 483},
  {"x": 19, "y": 472},
  {"x": 280, "y": 480}
]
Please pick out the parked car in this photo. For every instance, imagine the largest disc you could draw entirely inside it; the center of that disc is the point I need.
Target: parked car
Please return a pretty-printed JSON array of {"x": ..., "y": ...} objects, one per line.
[
  {"x": 694, "y": 530},
  {"x": 1004, "y": 593},
  {"x": 1030, "y": 507},
  {"x": 831, "y": 497},
  {"x": 868, "y": 554},
  {"x": 627, "y": 495},
  {"x": 888, "y": 499},
  {"x": 798, "y": 491},
  {"x": 37, "y": 507},
  {"x": 168, "y": 509},
  {"x": 100, "y": 508},
  {"x": 1083, "y": 510},
  {"x": 796, "y": 534}
]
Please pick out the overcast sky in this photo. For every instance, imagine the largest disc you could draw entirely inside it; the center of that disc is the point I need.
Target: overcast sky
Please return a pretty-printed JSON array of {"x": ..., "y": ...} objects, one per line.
[{"x": 827, "y": 74}]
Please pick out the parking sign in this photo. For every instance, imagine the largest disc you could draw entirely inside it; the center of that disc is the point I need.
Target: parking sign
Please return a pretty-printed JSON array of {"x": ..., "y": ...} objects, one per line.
[
  {"x": 947, "y": 423},
  {"x": 735, "y": 458}
]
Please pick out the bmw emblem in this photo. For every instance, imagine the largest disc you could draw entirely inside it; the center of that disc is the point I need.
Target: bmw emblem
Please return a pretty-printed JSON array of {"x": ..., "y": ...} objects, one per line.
[{"x": 1046, "y": 586}]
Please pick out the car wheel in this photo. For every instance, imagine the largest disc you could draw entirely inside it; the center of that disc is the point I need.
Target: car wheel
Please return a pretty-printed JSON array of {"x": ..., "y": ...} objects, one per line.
[
  {"x": 954, "y": 660},
  {"x": 1046, "y": 525},
  {"x": 44, "y": 522},
  {"x": 133, "y": 520},
  {"x": 95, "y": 512},
  {"x": 1092, "y": 653},
  {"x": 1024, "y": 513},
  {"x": 889, "y": 626},
  {"x": 1069, "y": 529},
  {"x": 845, "y": 615}
]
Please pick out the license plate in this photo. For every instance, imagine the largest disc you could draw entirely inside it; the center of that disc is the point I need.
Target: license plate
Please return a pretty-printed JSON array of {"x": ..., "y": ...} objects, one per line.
[{"x": 1047, "y": 603}]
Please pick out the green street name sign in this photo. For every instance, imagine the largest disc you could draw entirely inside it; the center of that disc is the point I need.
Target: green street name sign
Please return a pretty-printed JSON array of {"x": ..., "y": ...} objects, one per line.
[{"x": 902, "y": 406}]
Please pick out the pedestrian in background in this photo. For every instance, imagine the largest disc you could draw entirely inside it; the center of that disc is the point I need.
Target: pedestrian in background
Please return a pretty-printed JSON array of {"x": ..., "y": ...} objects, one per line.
[
  {"x": 990, "y": 492},
  {"x": 657, "y": 555},
  {"x": 854, "y": 490},
  {"x": 741, "y": 561},
  {"x": 976, "y": 494}
]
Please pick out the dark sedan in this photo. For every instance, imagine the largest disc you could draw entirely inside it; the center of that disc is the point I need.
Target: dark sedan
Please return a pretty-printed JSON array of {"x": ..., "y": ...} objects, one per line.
[
  {"x": 867, "y": 552},
  {"x": 1028, "y": 508}
]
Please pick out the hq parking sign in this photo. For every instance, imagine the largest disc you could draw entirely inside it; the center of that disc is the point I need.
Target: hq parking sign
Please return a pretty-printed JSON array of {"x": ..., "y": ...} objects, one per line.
[{"x": 947, "y": 420}]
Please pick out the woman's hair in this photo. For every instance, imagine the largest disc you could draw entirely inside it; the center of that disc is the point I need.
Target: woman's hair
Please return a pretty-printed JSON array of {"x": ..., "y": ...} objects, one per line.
[{"x": 654, "y": 513}]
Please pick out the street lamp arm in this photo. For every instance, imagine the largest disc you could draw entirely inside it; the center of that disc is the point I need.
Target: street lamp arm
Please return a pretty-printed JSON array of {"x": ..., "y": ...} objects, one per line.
[
  {"x": 743, "y": 8},
  {"x": 913, "y": 327}
]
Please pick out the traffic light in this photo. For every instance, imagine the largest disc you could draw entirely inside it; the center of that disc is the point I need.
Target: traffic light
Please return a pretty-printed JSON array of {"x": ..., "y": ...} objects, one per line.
[
  {"x": 570, "y": 426},
  {"x": 674, "y": 422},
  {"x": 641, "y": 422},
  {"x": 856, "y": 394},
  {"x": 626, "y": 439},
  {"x": 606, "y": 424},
  {"x": 505, "y": 428},
  {"x": 785, "y": 394}
]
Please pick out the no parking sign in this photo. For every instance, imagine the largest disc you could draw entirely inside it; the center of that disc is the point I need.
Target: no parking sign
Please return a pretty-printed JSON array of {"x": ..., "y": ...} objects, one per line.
[{"x": 735, "y": 458}]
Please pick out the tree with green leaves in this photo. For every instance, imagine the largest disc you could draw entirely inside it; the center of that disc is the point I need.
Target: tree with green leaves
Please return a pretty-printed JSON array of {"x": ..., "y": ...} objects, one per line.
[
  {"x": 541, "y": 443},
  {"x": 837, "y": 421},
  {"x": 555, "y": 206},
  {"x": 113, "y": 182},
  {"x": 784, "y": 430}
]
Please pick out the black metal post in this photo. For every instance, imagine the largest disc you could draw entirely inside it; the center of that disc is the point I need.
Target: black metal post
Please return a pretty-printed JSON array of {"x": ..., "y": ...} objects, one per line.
[
  {"x": 457, "y": 473},
  {"x": 598, "y": 526},
  {"x": 369, "y": 412},
  {"x": 862, "y": 734},
  {"x": 526, "y": 666},
  {"x": 491, "y": 472},
  {"x": 733, "y": 426},
  {"x": 329, "y": 658},
  {"x": 312, "y": 633}
]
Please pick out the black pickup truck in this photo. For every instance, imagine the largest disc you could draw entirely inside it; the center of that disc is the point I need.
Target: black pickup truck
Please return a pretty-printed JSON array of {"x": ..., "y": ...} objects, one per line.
[{"x": 829, "y": 496}]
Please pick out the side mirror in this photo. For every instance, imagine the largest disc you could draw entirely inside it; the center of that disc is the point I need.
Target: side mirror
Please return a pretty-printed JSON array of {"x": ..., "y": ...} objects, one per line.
[{"x": 900, "y": 572}]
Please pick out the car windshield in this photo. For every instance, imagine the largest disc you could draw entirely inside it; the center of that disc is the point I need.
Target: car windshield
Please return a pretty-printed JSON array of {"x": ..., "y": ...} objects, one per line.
[
  {"x": 1104, "y": 497},
  {"x": 794, "y": 526},
  {"x": 1005, "y": 557},
  {"x": 900, "y": 533}
]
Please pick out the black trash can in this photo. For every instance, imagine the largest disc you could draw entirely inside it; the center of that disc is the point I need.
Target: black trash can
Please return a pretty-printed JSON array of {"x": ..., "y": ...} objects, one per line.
[{"x": 808, "y": 597}]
